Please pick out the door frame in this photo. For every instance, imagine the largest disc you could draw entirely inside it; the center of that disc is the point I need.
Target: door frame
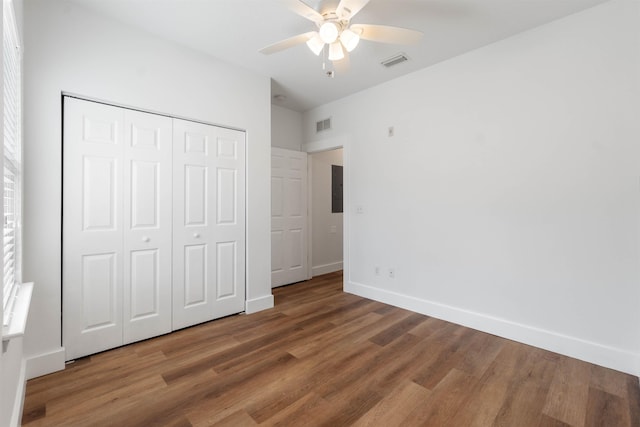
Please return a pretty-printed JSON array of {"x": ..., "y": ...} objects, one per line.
[{"x": 334, "y": 143}]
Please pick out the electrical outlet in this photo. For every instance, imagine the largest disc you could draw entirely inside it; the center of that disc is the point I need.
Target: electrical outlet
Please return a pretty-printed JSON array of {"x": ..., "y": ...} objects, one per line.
[{"x": 392, "y": 273}]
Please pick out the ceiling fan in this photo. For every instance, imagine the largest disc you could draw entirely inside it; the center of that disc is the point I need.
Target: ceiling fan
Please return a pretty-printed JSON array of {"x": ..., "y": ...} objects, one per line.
[{"x": 335, "y": 31}]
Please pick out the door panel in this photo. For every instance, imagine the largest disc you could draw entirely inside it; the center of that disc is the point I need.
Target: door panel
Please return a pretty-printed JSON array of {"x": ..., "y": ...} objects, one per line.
[
  {"x": 296, "y": 242},
  {"x": 99, "y": 193},
  {"x": 226, "y": 266},
  {"x": 295, "y": 195},
  {"x": 209, "y": 212},
  {"x": 145, "y": 283},
  {"x": 289, "y": 255},
  {"x": 195, "y": 190},
  {"x": 92, "y": 225},
  {"x": 99, "y": 291},
  {"x": 195, "y": 277},
  {"x": 147, "y": 235},
  {"x": 145, "y": 203},
  {"x": 277, "y": 251},
  {"x": 226, "y": 200}
]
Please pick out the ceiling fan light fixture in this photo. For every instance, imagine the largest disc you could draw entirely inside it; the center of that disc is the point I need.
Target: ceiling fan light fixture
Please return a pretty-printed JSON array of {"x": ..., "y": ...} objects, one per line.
[
  {"x": 335, "y": 52},
  {"x": 349, "y": 39},
  {"x": 334, "y": 36},
  {"x": 329, "y": 32},
  {"x": 316, "y": 44}
]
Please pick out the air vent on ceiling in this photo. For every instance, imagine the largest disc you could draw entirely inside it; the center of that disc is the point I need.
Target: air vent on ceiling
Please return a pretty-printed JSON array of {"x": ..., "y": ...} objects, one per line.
[
  {"x": 323, "y": 125},
  {"x": 395, "y": 60}
]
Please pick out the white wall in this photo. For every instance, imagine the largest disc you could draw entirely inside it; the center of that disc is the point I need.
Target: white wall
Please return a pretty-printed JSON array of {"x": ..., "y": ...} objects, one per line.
[
  {"x": 71, "y": 49},
  {"x": 326, "y": 227},
  {"x": 12, "y": 385},
  {"x": 286, "y": 128},
  {"x": 508, "y": 199}
]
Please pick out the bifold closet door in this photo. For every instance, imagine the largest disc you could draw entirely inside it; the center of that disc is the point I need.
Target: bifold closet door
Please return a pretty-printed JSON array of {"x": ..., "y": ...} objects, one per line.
[
  {"x": 116, "y": 226},
  {"x": 147, "y": 238},
  {"x": 92, "y": 227},
  {"x": 208, "y": 222}
]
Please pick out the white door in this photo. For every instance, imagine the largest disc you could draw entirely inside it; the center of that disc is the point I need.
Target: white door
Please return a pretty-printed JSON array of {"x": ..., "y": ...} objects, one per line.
[
  {"x": 116, "y": 226},
  {"x": 209, "y": 222},
  {"x": 92, "y": 227},
  {"x": 289, "y": 259},
  {"x": 147, "y": 225}
]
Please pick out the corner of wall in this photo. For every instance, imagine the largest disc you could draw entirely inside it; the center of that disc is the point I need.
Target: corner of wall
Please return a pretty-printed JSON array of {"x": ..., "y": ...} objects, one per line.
[
  {"x": 12, "y": 382},
  {"x": 592, "y": 352},
  {"x": 18, "y": 404},
  {"x": 259, "y": 304},
  {"x": 46, "y": 363}
]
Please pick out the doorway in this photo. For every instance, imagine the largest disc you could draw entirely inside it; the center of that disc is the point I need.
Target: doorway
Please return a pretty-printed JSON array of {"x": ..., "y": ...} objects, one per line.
[
  {"x": 325, "y": 211},
  {"x": 307, "y": 225}
]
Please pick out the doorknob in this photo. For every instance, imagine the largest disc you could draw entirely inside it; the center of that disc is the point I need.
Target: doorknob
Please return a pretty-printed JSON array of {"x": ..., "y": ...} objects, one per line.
[
  {"x": 145, "y": 239},
  {"x": 196, "y": 235}
]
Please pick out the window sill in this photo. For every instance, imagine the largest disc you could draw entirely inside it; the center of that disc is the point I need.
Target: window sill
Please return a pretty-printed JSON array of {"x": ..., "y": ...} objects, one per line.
[{"x": 18, "y": 322}]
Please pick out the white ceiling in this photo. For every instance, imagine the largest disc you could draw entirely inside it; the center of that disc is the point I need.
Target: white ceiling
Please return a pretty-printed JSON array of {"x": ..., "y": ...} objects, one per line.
[{"x": 234, "y": 30}]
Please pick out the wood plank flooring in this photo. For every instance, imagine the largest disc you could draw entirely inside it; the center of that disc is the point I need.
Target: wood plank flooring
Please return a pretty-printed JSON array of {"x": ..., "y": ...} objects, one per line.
[{"x": 325, "y": 358}]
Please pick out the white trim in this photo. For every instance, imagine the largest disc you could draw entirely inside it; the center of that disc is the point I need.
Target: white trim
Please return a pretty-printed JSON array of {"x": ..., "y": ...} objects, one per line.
[
  {"x": 326, "y": 144},
  {"x": 327, "y": 268},
  {"x": 589, "y": 351},
  {"x": 309, "y": 217},
  {"x": 45, "y": 363},
  {"x": 259, "y": 304},
  {"x": 346, "y": 210},
  {"x": 19, "y": 313},
  {"x": 143, "y": 110},
  {"x": 18, "y": 403}
]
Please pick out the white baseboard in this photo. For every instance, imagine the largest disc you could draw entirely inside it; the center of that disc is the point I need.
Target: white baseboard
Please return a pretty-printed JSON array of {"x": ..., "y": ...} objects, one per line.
[
  {"x": 326, "y": 268},
  {"x": 259, "y": 304},
  {"x": 45, "y": 363},
  {"x": 588, "y": 351}
]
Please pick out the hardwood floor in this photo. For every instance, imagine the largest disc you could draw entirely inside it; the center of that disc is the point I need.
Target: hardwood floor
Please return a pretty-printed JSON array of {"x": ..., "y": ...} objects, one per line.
[{"x": 323, "y": 357}]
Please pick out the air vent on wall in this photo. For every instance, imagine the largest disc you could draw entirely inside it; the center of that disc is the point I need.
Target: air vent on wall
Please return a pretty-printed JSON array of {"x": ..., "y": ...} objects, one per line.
[
  {"x": 323, "y": 125},
  {"x": 395, "y": 60}
]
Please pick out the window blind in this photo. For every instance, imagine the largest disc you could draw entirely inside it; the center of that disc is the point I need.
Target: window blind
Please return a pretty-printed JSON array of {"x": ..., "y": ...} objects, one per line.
[{"x": 12, "y": 157}]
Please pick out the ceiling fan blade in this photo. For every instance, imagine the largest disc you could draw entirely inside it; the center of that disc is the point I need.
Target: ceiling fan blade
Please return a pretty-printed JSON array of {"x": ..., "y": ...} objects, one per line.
[
  {"x": 348, "y": 8},
  {"x": 303, "y": 10},
  {"x": 386, "y": 34},
  {"x": 343, "y": 65},
  {"x": 287, "y": 43}
]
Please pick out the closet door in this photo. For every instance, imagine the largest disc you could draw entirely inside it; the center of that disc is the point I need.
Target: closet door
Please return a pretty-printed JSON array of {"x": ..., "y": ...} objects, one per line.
[
  {"x": 147, "y": 225},
  {"x": 117, "y": 207},
  {"x": 289, "y": 230},
  {"x": 209, "y": 223},
  {"x": 92, "y": 227}
]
